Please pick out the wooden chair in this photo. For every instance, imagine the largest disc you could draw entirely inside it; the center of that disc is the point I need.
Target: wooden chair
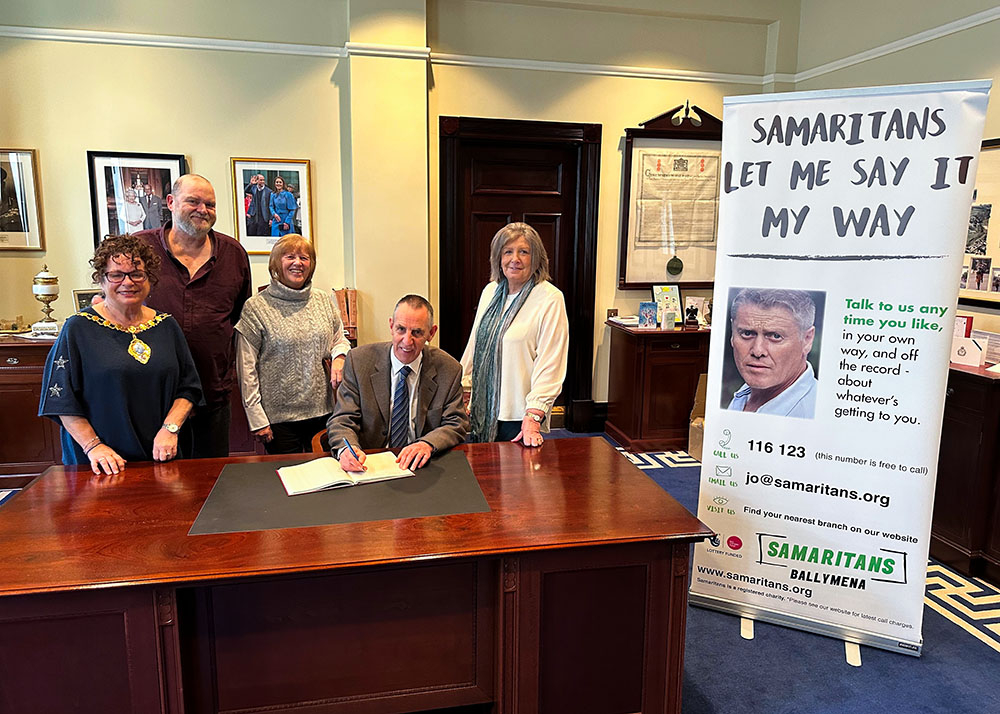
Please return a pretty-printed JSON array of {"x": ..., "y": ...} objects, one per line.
[{"x": 320, "y": 444}]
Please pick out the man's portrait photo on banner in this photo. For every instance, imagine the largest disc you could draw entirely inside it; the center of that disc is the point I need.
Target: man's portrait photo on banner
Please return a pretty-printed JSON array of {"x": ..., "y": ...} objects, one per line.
[{"x": 772, "y": 351}]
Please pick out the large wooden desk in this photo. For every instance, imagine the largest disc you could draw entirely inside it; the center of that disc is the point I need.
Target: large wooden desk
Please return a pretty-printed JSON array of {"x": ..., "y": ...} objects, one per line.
[{"x": 569, "y": 596}]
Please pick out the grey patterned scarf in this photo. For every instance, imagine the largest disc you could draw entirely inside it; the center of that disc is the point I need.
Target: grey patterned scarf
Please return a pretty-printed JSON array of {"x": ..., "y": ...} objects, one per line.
[{"x": 485, "y": 404}]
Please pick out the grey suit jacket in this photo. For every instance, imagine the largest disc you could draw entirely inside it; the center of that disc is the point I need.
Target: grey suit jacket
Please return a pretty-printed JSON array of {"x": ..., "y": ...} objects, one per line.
[
  {"x": 363, "y": 399},
  {"x": 153, "y": 206}
]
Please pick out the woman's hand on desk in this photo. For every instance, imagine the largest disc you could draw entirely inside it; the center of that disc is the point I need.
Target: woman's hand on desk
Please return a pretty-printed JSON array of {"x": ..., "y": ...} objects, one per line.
[
  {"x": 104, "y": 460},
  {"x": 531, "y": 432},
  {"x": 164, "y": 445}
]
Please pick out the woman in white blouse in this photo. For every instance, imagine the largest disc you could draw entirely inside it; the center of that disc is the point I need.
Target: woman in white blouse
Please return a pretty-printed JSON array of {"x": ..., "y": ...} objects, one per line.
[{"x": 515, "y": 361}]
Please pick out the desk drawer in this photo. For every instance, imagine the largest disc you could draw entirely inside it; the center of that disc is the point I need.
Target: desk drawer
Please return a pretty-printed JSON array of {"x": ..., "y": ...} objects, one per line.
[{"x": 669, "y": 344}]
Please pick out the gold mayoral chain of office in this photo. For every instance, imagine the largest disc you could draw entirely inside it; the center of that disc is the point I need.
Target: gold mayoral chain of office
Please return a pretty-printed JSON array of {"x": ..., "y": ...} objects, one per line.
[{"x": 140, "y": 351}]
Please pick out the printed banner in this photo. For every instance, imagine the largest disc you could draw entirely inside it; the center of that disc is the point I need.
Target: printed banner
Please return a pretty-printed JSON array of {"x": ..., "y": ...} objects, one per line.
[{"x": 843, "y": 218}]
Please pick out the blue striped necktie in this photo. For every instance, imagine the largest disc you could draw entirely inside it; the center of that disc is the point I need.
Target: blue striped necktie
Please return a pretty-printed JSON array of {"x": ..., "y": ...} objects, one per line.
[{"x": 399, "y": 424}]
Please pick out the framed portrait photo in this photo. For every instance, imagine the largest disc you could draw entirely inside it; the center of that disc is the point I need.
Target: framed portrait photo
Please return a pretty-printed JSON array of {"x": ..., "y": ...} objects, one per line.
[
  {"x": 128, "y": 191},
  {"x": 271, "y": 198},
  {"x": 979, "y": 285},
  {"x": 670, "y": 190},
  {"x": 82, "y": 298},
  {"x": 20, "y": 201}
]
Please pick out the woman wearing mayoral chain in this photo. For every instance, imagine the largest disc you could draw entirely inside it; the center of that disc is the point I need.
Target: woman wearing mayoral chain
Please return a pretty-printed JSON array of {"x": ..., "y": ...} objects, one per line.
[{"x": 120, "y": 379}]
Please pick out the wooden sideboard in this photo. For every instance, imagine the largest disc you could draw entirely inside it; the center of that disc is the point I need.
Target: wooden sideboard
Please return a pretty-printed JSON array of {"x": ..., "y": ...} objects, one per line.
[
  {"x": 965, "y": 530},
  {"x": 653, "y": 376},
  {"x": 29, "y": 444}
]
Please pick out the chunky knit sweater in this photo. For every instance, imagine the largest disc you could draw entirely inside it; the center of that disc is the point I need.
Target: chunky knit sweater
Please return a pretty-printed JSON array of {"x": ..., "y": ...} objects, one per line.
[{"x": 283, "y": 336}]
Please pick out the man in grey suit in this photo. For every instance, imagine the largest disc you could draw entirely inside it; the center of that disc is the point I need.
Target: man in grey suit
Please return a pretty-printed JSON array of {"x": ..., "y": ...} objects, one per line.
[
  {"x": 153, "y": 206},
  {"x": 400, "y": 394},
  {"x": 259, "y": 210}
]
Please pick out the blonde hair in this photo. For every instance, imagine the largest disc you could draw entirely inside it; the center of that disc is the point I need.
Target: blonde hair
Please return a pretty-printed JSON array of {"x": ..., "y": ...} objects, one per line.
[
  {"x": 286, "y": 244},
  {"x": 513, "y": 231}
]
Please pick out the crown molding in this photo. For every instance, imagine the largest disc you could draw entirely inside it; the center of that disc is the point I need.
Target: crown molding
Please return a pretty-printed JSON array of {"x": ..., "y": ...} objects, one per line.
[
  {"x": 966, "y": 23},
  {"x": 603, "y": 70},
  {"x": 97, "y": 37},
  {"x": 367, "y": 49},
  {"x": 363, "y": 49}
]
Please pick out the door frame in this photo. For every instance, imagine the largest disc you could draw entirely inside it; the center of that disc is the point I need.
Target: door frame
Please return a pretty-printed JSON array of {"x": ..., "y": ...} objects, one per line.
[{"x": 586, "y": 138}]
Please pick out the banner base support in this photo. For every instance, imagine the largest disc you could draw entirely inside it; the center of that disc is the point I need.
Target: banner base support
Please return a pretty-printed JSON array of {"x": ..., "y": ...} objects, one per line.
[{"x": 839, "y": 632}]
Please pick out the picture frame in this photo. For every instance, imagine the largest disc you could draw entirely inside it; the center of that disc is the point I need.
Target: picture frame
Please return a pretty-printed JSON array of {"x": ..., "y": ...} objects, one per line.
[
  {"x": 20, "y": 201},
  {"x": 668, "y": 300},
  {"x": 82, "y": 298},
  {"x": 257, "y": 232},
  {"x": 983, "y": 243},
  {"x": 115, "y": 176},
  {"x": 671, "y": 168}
]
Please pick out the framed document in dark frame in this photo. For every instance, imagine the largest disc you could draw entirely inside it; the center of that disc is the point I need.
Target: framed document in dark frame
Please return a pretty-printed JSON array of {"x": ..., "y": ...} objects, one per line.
[{"x": 670, "y": 173}]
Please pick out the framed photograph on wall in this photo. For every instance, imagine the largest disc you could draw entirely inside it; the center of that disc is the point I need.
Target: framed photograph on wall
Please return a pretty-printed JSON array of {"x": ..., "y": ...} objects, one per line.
[
  {"x": 978, "y": 285},
  {"x": 20, "y": 201},
  {"x": 271, "y": 198},
  {"x": 82, "y": 298},
  {"x": 670, "y": 200},
  {"x": 128, "y": 191}
]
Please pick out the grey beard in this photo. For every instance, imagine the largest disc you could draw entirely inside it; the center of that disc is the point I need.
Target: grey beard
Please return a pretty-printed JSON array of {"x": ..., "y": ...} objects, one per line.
[{"x": 190, "y": 228}]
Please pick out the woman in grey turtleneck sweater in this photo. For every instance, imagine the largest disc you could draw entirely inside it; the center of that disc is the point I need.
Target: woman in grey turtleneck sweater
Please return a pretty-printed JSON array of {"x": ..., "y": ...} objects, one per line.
[{"x": 283, "y": 335}]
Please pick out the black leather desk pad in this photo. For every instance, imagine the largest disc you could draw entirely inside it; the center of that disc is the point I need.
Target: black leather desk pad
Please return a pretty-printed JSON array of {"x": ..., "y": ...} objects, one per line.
[{"x": 250, "y": 497}]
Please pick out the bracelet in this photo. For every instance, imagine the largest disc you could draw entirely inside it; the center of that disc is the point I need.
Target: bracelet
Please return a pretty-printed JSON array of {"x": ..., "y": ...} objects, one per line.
[{"x": 88, "y": 448}]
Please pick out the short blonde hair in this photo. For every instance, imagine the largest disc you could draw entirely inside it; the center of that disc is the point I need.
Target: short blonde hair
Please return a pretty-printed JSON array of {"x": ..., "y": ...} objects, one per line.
[
  {"x": 513, "y": 231},
  {"x": 285, "y": 245}
]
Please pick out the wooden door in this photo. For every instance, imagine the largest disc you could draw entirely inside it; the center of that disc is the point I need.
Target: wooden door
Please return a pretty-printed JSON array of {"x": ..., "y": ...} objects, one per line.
[{"x": 497, "y": 171}]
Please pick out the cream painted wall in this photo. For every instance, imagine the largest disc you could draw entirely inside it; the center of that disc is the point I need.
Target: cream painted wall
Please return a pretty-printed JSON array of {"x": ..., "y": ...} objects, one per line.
[
  {"x": 969, "y": 54},
  {"x": 64, "y": 99},
  {"x": 830, "y": 31},
  {"x": 494, "y": 29},
  {"x": 316, "y": 22}
]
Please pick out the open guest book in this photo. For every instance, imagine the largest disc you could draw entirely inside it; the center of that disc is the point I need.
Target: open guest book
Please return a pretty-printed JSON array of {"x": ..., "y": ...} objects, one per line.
[{"x": 324, "y": 473}]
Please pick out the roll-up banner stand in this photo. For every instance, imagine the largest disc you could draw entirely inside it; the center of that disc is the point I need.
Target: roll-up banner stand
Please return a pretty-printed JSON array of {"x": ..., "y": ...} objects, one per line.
[{"x": 842, "y": 223}]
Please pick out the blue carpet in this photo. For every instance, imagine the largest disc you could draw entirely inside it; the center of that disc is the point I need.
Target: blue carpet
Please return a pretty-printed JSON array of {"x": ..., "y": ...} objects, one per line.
[{"x": 783, "y": 670}]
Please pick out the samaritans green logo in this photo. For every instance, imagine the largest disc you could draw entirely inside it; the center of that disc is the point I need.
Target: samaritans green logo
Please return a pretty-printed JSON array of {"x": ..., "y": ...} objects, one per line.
[{"x": 849, "y": 560}]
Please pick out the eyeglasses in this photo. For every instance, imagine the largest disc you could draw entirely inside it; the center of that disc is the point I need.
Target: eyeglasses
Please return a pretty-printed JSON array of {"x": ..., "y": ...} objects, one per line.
[{"x": 117, "y": 276}]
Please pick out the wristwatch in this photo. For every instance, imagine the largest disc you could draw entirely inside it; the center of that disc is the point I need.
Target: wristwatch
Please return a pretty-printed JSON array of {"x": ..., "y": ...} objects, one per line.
[
  {"x": 172, "y": 428},
  {"x": 535, "y": 417}
]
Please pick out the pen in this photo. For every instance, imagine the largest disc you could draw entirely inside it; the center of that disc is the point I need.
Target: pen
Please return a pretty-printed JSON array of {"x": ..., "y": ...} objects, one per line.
[{"x": 351, "y": 449}]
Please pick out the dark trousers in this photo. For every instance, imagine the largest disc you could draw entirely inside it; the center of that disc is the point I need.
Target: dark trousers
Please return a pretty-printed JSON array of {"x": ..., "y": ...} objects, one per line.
[
  {"x": 206, "y": 432},
  {"x": 295, "y": 437},
  {"x": 507, "y": 430}
]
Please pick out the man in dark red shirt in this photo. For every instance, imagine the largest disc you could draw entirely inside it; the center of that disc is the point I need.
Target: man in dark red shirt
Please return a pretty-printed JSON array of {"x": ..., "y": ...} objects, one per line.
[{"x": 204, "y": 281}]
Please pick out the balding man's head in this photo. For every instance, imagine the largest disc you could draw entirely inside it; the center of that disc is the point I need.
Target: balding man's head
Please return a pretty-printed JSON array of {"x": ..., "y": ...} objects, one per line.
[{"x": 192, "y": 205}]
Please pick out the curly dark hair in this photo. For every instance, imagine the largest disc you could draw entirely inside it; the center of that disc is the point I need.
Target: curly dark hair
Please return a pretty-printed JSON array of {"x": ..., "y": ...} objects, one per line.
[{"x": 127, "y": 246}]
